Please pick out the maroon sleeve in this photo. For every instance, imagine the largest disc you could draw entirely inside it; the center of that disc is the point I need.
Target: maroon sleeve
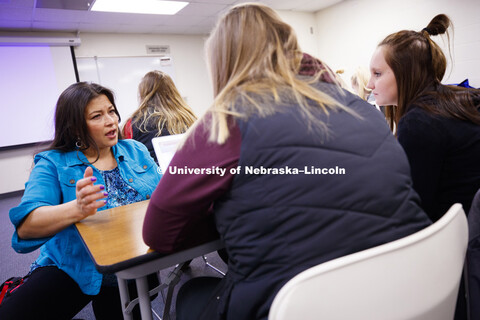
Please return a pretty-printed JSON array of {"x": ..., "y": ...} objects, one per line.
[{"x": 179, "y": 213}]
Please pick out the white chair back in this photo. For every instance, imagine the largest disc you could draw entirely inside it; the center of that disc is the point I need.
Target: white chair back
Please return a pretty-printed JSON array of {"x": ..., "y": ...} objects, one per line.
[{"x": 416, "y": 277}]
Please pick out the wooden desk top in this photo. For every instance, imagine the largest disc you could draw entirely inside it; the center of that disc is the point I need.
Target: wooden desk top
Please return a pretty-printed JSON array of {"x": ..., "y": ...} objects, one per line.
[{"x": 114, "y": 236}]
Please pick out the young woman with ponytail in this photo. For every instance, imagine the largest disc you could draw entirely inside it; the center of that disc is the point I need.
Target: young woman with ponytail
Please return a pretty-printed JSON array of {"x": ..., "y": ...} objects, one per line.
[{"x": 437, "y": 125}]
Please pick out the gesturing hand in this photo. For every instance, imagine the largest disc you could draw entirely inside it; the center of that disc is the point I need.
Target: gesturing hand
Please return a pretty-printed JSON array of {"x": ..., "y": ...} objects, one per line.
[{"x": 88, "y": 194}]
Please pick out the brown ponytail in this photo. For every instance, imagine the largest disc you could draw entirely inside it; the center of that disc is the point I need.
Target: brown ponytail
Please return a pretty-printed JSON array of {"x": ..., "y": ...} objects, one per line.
[{"x": 439, "y": 25}]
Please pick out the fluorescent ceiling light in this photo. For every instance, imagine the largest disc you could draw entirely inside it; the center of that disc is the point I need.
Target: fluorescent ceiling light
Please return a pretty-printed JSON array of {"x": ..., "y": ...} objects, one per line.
[{"x": 139, "y": 6}]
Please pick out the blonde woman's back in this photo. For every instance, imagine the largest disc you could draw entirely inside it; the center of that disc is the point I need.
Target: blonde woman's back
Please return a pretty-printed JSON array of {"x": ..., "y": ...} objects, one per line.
[{"x": 162, "y": 110}]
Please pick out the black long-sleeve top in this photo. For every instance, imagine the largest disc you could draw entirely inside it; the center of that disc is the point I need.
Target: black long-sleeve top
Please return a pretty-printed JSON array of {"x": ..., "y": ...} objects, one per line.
[{"x": 444, "y": 156}]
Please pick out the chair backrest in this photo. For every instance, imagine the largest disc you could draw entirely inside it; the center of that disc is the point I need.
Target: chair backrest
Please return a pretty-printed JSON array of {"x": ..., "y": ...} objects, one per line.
[
  {"x": 165, "y": 147},
  {"x": 416, "y": 277}
]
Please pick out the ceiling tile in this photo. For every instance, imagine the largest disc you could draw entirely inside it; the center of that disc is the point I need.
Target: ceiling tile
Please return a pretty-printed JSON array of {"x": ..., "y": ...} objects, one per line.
[
  {"x": 197, "y": 30},
  {"x": 24, "y": 14},
  {"x": 60, "y": 15},
  {"x": 201, "y": 9},
  {"x": 125, "y": 18},
  {"x": 185, "y": 21},
  {"x": 224, "y": 2},
  {"x": 18, "y": 3},
  {"x": 64, "y": 4},
  {"x": 207, "y": 23}
]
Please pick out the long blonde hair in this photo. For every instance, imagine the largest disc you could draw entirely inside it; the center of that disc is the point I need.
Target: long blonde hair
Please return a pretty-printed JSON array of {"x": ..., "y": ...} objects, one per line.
[
  {"x": 252, "y": 54},
  {"x": 161, "y": 102}
]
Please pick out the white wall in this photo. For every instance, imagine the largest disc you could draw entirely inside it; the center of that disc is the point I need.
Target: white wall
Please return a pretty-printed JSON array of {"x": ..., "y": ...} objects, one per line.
[
  {"x": 349, "y": 32},
  {"x": 305, "y": 26},
  {"x": 15, "y": 166},
  {"x": 192, "y": 78}
]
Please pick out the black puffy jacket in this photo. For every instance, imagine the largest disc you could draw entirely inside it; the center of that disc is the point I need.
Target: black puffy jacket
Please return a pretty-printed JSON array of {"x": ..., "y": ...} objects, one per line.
[{"x": 276, "y": 225}]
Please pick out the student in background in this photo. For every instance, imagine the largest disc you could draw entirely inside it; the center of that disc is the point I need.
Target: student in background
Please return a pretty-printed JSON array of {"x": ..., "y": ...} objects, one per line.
[
  {"x": 87, "y": 168},
  {"x": 162, "y": 111},
  {"x": 437, "y": 125},
  {"x": 359, "y": 81},
  {"x": 275, "y": 225}
]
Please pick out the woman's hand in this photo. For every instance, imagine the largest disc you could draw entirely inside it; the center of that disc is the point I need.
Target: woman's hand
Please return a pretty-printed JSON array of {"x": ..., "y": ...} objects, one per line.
[
  {"x": 88, "y": 195},
  {"x": 48, "y": 220}
]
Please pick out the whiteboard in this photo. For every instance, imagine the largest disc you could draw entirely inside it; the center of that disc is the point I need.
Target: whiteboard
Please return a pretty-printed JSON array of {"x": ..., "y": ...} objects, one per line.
[{"x": 122, "y": 75}]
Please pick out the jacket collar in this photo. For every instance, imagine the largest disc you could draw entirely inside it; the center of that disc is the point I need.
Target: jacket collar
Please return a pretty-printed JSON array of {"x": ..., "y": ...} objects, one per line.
[{"x": 76, "y": 158}]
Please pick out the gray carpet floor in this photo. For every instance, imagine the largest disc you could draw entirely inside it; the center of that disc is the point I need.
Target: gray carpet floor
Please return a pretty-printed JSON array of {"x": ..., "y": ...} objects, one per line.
[{"x": 14, "y": 264}]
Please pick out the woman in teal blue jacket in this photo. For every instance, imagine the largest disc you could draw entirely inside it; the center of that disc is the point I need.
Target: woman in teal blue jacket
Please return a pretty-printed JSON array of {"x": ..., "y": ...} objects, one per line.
[{"x": 87, "y": 168}]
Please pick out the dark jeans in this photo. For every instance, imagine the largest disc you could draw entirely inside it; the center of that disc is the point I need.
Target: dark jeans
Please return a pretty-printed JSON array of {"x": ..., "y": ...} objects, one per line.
[
  {"x": 193, "y": 297},
  {"x": 49, "y": 293}
]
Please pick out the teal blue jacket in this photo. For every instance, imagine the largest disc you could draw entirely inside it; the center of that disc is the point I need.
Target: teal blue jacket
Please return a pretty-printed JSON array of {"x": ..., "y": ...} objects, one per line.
[{"x": 53, "y": 181}]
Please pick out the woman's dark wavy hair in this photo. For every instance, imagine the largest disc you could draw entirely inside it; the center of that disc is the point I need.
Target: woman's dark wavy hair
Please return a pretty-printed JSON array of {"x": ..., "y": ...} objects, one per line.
[
  {"x": 419, "y": 66},
  {"x": 70, "y": 122}
]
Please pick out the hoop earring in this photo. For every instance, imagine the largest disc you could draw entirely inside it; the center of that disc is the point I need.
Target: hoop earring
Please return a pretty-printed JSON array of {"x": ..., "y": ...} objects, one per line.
[{"x": 78, "y": 144}]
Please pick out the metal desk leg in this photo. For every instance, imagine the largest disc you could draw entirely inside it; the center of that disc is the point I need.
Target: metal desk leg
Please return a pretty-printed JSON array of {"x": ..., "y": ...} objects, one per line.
[
  {"x": 144, "y": 298},
  {"x": 124, "y": 298}
]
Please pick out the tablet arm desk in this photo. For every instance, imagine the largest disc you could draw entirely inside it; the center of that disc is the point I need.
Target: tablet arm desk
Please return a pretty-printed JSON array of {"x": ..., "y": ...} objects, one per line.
[{"x": 113, "y": 239}]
